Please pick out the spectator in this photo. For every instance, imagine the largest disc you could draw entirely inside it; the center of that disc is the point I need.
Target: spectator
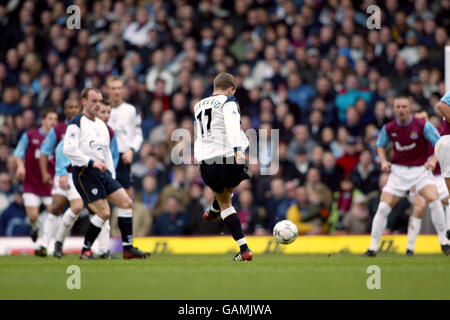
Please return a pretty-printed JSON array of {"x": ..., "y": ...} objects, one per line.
[
  {"x": 172, "y": 221},
  {"x": 342, "y": 204},
  {"x": 357, "y": 219},
  {"x": 365, "y": 175},
  {"x": 178, "y": 187},
  {"x": 302, "y": 165},
  {"x": 149, "y": 192},
  {"x": 300, "y": 94},
  {"x": 302, "y": 139},
  {"x": 305, "y": 214},
  {"x": 351, "y": 156},
  {"x": 330, "y": 173},
  {"x": 348, "y": 96},
  {"x": 136, "y": 33},
  {"x": 252, "y": 218},
  {"x": 14, "y": 221}
]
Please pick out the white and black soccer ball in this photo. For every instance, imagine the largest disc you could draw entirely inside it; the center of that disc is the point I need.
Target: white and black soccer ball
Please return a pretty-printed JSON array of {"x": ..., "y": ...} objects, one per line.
[{"x": 285, "y": 232}]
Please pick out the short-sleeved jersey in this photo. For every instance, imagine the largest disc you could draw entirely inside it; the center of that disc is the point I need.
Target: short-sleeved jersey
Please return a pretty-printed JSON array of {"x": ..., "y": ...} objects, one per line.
[
  {"x": 63, "y": 166},
  {"x": 445, "y": 126},
  {"x": 29, "y": 150},
  {"x": 218, "y": 128},
  {"x": 88, "y": 140},
  {"x": 126, "y": 123},
  {"x": 54, "y": 136},
  {"x": 410, "y": 140}
]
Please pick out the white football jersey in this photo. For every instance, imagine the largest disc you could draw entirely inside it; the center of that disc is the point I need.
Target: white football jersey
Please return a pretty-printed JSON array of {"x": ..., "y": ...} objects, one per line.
[
  {"x": 88, "y": 140},
  {"x": 218, "y": 128},
  {"x": 126, "y": 123}
]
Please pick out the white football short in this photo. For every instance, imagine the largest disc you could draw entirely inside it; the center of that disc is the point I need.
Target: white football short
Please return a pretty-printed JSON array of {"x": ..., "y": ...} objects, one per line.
[
  {"x": 403, "y": 178},
  {"x": 71, "y": 193},
  {"x": 440, "y": 185},
  {"x": 442, "y": 151},
  {"x": 33, "y": 200}
]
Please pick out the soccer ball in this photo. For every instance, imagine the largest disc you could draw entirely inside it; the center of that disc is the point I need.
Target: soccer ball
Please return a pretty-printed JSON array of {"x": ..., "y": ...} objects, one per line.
[{"x": 285, "y": 232}]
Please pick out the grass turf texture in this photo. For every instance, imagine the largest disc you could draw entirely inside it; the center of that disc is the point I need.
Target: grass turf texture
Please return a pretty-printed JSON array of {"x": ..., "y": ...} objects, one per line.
[{"x": 268, "y": 276}]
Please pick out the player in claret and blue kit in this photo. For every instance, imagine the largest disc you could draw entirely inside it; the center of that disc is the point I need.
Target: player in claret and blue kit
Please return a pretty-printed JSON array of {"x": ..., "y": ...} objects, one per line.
[
  {"x": 27, "y": 155},
  {"x": 410, "y": 168},
  {"x": 419, "y": 203},
  {"x": 61, "y": 191},
  {"x": 220, "y": 146}
]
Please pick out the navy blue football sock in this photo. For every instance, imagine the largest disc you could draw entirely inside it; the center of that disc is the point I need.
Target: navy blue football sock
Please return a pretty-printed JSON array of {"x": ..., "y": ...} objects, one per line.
[
  {"x": 91, "y": 234},
  {"x": 126, "y": 230},
  {"x": 234, "y": 225}
]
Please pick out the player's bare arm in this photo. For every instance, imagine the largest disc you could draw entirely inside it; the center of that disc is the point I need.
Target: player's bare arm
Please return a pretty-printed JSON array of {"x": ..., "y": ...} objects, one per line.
[
  {"x": 444, "y": 109},
  {"x": 385, "y": 165},
  {"x": 20, "y": 171},
  {"x": 127, "y": 156},
  {"x": 431, "y": 163},
  {"x": 100, "y": 166},
  {"x": 63, "y": 183},
  {"x": 43, "y": 164}
]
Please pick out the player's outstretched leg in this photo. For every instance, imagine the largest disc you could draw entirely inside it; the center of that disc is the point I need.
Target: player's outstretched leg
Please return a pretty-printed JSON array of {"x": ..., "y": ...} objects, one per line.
[
  {"x": 123, "y": 203},
  {"x": 430, "y": 193},
  {"x": 51, "y": 223},
  {"x": 48, "y": 231},
  {"x": 103, "y": 242},
  {"x": 378, "y": 225},
  {"x": 101, "y": 209},
  {"x": 232, "y": 221},
  {"x": 387, "y": 202},
  {"x": 69, "y": 218},
  {"x": 32, "y": 216}
]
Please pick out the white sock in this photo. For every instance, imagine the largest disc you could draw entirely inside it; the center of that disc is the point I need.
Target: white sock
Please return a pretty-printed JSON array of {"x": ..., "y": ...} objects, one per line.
[
  {"x": 379, "y": 224},
  {"x": 103, "y": 237},
  {"x": 413, "y": 231},
  {"x": 48, "y": 230},
  {"x": 438, "y": 219},
  {"x": 67, "y": 223},
  {"x": 447, "y": 215},
  {"x": 225, "y": 213}
]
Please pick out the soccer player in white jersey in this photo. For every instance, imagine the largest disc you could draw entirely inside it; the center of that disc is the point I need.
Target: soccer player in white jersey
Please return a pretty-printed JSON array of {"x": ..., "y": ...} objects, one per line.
[
  {"x": 67, "y": 189},
  {"x": 126, "y": 123},
  {"x": 419, "y": 203},
  {"x": 219, "y": 146},
  {"x": 87, "y": 145},
  {"x": 442, "y": 148}
]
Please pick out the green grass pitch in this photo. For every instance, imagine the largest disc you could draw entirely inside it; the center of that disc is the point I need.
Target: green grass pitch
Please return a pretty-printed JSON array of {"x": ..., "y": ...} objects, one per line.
[{"x": 211, "y": 277}]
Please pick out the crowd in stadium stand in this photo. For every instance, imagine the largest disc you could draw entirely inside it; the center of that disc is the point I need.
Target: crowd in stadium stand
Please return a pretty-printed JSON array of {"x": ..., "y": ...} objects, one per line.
[{"x": 309, "y": 68}]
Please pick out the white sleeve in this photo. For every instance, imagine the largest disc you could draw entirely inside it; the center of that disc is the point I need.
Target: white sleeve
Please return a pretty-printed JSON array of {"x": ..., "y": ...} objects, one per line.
[
  {"x": 232, "y": 120},
  {"x": 137, "y": 136},
  {"x": 71, "y": 147}
]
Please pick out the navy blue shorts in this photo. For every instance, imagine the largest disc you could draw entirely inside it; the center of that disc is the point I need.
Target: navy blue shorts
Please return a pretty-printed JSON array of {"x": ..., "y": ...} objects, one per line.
[
  {"x": 123, "y": 173},
  {"x": 217, "y": 176},
  {"x": 92, "y": 184}
]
